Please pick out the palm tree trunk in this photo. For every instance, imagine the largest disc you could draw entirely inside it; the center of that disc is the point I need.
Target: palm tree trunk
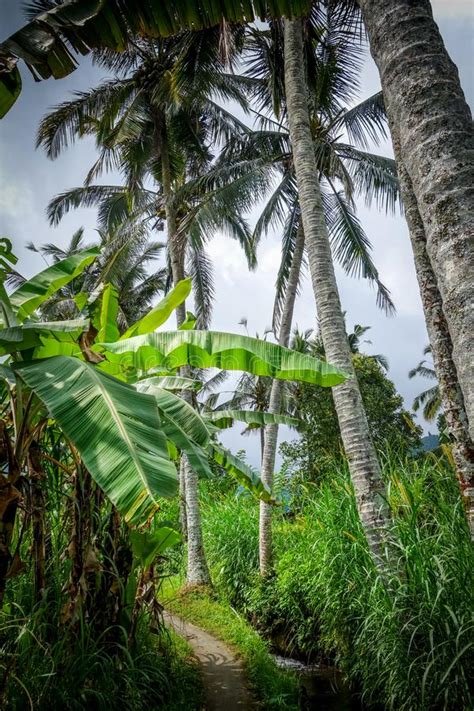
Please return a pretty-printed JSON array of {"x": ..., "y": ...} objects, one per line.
[
  {"x": 440, "y": 341},
  {"x": 197, "y": 568},
  {"x": 362, "y": 459},
  {"x": 271, "y": 431},
  {"x": 425, "y": 103},
  {"x": 182, "y": 500}
]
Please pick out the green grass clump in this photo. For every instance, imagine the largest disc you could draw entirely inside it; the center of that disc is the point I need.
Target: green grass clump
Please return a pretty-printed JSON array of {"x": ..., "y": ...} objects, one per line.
[
  {"x": 405, "y": 638},
  {"x": 43, "y": 667},
  {"x": 274, "y": 688}
]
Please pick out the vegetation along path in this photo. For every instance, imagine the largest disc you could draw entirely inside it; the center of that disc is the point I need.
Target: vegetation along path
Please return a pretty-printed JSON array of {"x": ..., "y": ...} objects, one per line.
[{"x": 223, "y": 674}]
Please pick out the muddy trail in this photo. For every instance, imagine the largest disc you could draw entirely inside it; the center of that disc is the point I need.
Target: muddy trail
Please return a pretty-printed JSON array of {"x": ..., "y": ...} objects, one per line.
[{"x": 223, "y": 674}]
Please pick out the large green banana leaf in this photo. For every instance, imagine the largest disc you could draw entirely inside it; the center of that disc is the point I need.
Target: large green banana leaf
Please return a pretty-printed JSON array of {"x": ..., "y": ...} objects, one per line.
[
  {"x": 228, "y": 351},
  {"x": 226, "y": 418},
  {"x": 36, "y": 334},
  {"x": 161, "y": 312},
  {"x": 116, "y": 430},
  {"x": 34, "y": 292},
  {"x": 240, "y": 471}
]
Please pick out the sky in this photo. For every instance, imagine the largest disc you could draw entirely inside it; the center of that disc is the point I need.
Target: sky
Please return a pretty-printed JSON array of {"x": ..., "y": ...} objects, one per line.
[{"x": 28, "y": 181}]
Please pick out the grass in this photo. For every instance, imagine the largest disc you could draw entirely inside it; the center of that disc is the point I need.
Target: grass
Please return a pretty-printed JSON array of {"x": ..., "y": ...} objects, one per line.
[
  {"x": 406, "y": 641},
  {"x": 41, "y": 669},
  {"x": 272, "y": 687}
]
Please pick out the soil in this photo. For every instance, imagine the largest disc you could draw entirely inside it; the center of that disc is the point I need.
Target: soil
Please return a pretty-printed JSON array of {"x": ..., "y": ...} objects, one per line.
[{"x": 223, "y": 674}]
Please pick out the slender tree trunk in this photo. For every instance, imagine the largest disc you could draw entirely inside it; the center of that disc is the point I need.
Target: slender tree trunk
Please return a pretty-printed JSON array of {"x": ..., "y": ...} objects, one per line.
[
  {"x": 363, "y": 463},
  {"x": 441, "y": 344},
  {"x": 182, "y": 500},
  {"x": 426, "y": 105},
  {"x": 271, "y": 431},
  {"x": 197, "y": 568}
]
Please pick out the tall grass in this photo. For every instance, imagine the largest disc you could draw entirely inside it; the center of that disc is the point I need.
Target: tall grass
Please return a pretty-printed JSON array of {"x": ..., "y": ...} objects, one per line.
[{"x": 408, "y": 639}]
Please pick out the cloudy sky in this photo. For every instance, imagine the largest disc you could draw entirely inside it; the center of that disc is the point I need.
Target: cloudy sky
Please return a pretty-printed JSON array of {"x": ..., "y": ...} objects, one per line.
[{"x": 28, "y": 180}]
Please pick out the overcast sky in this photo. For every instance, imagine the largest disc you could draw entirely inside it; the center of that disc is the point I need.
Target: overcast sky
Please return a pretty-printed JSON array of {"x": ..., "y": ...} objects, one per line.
[{"x": 28, "y": 180}]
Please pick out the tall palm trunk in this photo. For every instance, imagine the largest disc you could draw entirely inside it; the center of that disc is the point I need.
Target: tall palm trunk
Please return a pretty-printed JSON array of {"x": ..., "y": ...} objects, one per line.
[
  {"x": 426, "y": 105},
  {"x": 197, "y": 572},
  {"x": 271, "y": 431},
  {"x": 363, "y": 463},
  {"x": 440, "y": 341}
]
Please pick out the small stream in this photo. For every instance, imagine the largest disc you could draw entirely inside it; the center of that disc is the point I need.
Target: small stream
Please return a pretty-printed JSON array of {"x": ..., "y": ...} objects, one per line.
[{"x": 323, "y": 688}]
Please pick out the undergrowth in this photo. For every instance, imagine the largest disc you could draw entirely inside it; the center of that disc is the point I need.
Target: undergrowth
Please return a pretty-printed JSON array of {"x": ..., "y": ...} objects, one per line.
[{"x": 405, "y": 638}]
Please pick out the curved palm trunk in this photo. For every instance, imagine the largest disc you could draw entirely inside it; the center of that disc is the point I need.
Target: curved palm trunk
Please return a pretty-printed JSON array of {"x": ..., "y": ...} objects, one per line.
[
  {"x": 441, "y": 344},
  {"x": 425, "y": 103},
  {"x": 197, "y": 572},
  {"x": 271, "y": 431},
  {"x": 363, "y": 463}
]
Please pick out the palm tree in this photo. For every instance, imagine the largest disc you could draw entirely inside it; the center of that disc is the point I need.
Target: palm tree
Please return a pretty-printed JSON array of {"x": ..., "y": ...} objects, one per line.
[
  {"x": 419, "y": 79},
  {"x": 430, "y": 399},
  {"x": 363, "y": 463},
  {"x": 156, "y": 120},
  {"x": 338, "y": 162}
]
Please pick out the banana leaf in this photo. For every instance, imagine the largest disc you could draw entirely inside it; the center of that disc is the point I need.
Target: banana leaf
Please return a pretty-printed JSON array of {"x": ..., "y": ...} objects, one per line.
[
  {"x": 168, "y": 382},
  {"x": 37, "y": 334},
  {"x": 240, "y": 471},
  {"x": 226, "y": 418},
  {"x": 34, "y": 292},
  {"x": 108, "y": 312},
  {"x": 161, "y": 312},
  {"x": 116, "y": 430},
  {"x": 147, "y": 545},
  {"x": 227, "y": 351}
]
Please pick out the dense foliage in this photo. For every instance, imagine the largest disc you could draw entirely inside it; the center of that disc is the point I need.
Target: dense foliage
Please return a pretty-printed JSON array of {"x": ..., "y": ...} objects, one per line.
[
  {"x": 406, "y": 642},
  {"x": 391, "y": 426}
]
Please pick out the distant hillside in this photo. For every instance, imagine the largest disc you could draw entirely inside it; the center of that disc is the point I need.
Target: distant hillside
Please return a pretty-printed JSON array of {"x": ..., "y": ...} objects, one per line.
[{"x": 431, "y": 441}]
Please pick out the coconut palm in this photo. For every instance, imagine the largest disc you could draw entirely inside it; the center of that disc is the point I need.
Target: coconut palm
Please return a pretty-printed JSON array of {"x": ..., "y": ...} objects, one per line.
[
  {"x": 430, "y": 399},
  {"x": 409, "y": 92},
  {"x": 363, "y": 463},
  {"x": 346, "y": 169}
]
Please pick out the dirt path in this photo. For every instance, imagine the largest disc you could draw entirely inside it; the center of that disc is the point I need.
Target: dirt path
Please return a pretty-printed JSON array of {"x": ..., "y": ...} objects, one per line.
[{"x": 223, "y": 674}]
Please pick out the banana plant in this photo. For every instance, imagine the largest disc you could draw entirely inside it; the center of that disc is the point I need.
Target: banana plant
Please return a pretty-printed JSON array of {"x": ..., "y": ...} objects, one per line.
[{"x": 106, "y": 392}]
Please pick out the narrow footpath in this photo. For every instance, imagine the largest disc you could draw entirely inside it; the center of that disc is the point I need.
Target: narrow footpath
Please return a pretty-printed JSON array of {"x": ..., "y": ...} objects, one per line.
[{"x": 223, "y": 674}]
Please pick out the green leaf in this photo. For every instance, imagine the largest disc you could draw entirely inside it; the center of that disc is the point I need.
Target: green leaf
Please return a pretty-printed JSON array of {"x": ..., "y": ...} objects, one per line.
[
  {"x": 41, "y": 333},
  {"x": 226, "y": 418},
  {"x": 169, "y": 382},
  {"x": 161, "y": 312},
  {"x": 240, "y": 471},
  {"x": 6, "y": 373},
  {"x": 148, "y": 545},
  {"x": 116, "y": 430},
  {"x": 183, "y": 414},
  {"x": 30, "y": 295},
  {"x": 182, "y": 425},
  {"x": 189, "y": 322},
  {"x": 10, "y": 88},
  {"x": 109, "y": 305},
  {"x": 228, "y": 351}
]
